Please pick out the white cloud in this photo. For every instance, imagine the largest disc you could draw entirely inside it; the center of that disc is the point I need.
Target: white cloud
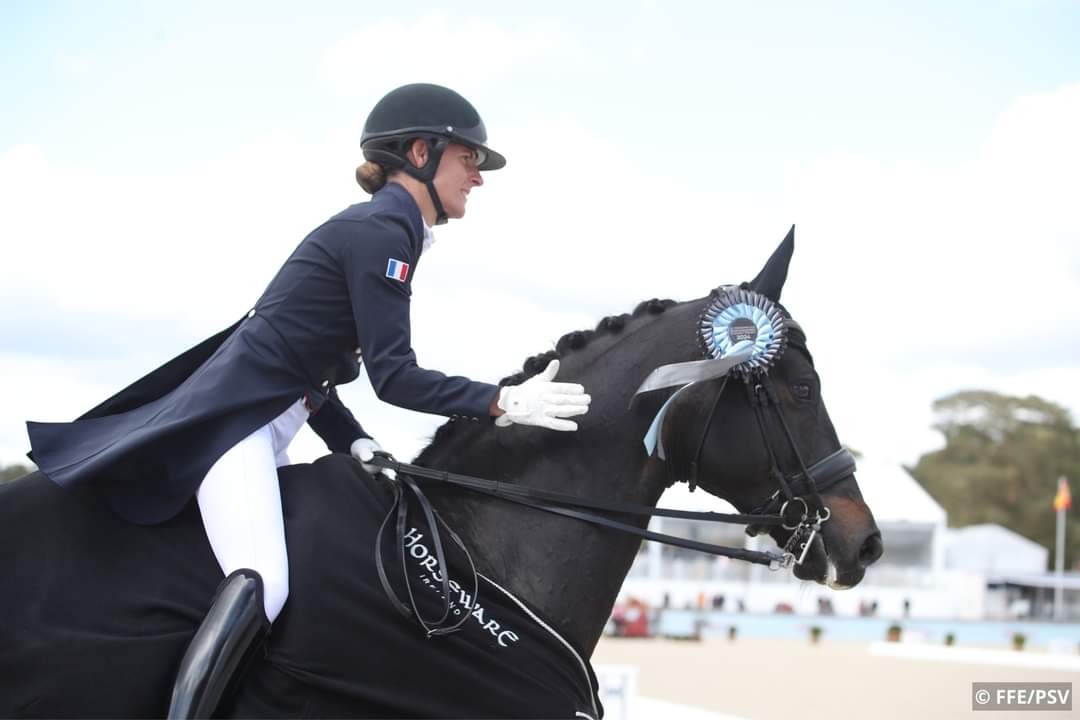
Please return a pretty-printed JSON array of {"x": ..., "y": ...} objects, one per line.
[
  {"x": 945, "y": 260},
  {"x": 1029, "y": 170},
  {"x": 913, "y": 281},
  {"x": 576, "y": 215},
  {"x": 466, "y": 55},
  {"x": 194, "y": 245},
  {"x": 74, "y": 65}
]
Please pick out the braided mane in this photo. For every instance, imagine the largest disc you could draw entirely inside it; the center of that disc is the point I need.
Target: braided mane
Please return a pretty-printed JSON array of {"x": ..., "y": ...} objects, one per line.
[
  {"x": 570, "y": 342},
  {"x": 611, "y": 325}
]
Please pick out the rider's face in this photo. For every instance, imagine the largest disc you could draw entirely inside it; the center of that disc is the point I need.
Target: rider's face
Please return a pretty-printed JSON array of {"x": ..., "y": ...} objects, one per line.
[{"x": 456, "y": 176}]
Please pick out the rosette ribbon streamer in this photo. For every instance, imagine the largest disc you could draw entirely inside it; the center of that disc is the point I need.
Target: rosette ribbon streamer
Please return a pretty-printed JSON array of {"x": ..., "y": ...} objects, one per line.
[{"x": 686, "y": 374}]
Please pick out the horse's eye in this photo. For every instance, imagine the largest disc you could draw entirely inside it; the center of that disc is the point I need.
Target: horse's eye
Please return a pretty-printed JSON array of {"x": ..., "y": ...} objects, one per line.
[{"x": 801, "y": 391}]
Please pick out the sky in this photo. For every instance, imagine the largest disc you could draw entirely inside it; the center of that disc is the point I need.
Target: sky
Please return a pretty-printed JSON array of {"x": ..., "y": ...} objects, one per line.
[{"x": 159, "y": 161}]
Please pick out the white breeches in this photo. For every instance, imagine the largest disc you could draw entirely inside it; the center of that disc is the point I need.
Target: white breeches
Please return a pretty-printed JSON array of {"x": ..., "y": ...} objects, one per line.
[{"x": 240, "y": 502}]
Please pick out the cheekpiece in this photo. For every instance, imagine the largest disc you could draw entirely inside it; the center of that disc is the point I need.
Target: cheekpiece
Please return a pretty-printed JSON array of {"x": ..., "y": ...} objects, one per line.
[{"x": 738, "y": 314}]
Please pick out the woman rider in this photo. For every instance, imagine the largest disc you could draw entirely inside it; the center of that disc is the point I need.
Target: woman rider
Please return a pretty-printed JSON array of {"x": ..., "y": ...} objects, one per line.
[{"x": 215, "y": 422}]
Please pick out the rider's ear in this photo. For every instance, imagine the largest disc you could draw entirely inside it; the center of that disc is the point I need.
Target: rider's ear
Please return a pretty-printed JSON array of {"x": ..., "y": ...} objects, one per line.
[
  {"x": 418, "y": 152},
  {"x": 770, "y": 281}
]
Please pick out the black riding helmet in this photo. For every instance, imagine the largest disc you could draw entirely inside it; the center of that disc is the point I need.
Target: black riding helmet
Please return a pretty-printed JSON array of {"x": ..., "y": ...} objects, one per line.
[{"x": 427, "y": 112}]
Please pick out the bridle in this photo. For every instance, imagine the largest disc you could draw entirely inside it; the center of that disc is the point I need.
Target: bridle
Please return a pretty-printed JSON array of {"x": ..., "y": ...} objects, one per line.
[
  {"x": 786, "y": 507},
  {"x": 792, "y": 489}
]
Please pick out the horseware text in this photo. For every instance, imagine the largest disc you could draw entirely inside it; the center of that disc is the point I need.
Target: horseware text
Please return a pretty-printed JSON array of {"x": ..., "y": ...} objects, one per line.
[{"x": 433, "y": 580}]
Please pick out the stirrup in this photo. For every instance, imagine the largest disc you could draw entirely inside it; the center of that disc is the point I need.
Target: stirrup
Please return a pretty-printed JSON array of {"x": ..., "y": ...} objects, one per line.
[{"x": 234, "y": 626}]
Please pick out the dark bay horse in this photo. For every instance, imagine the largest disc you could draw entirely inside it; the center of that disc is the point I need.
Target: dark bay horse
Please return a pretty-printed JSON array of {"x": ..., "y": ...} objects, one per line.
[{"x": 95, "y": 613}]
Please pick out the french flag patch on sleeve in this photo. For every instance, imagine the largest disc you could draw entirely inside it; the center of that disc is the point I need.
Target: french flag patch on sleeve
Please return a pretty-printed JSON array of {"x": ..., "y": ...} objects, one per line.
[{"x": 397, "y": 270}]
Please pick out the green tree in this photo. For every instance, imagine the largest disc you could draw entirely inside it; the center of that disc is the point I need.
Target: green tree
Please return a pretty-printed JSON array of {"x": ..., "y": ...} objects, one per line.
[
  {"x": 11, "y": 472},
  {"x": 1001, "y": 462}
]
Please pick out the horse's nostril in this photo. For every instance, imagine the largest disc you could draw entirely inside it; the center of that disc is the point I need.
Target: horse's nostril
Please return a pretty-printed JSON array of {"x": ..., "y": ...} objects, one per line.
[{"x": 871, "y": 549}]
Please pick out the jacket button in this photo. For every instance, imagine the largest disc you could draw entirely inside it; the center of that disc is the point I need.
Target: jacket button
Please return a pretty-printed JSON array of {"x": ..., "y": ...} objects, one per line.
[{"x": 325, "y": 383}]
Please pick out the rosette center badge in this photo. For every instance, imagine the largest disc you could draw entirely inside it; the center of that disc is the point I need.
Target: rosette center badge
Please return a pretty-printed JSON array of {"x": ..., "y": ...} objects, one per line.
[{"x": 737, "y": 315}]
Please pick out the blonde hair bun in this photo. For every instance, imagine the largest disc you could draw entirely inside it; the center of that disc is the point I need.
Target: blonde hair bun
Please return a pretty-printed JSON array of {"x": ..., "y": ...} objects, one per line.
[{"x": 371, "y": 176}]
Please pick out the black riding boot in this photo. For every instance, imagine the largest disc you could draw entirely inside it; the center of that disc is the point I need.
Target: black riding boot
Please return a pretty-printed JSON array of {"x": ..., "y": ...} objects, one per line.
[{"x": 234, "y": 628}]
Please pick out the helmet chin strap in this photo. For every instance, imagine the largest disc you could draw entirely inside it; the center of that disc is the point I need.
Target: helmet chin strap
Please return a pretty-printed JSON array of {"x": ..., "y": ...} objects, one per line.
[
  {"x": 440, "y": 213},
  {"x": 426, "y": 174}
]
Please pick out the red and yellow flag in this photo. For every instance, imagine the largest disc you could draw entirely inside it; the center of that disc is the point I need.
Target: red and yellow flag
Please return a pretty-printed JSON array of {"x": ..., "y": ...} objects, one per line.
[{"x": 1063, "y": 500}]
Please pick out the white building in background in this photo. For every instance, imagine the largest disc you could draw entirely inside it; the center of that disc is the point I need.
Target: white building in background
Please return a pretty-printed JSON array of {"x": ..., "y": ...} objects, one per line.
[
  {"x": 994, "y": 550},
  {"x": 926, "y": 570},
  {"x": 1015, "y": 571}
]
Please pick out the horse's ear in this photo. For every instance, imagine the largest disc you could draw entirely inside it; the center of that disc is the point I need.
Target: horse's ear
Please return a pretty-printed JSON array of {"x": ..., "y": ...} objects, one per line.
[{"x": 770, "y": 281}]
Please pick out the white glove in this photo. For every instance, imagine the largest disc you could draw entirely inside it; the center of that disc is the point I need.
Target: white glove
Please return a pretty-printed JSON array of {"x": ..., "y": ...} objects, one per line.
[
  {"x": 540, "y": 402},
  {"x": 364, "y": 449}
]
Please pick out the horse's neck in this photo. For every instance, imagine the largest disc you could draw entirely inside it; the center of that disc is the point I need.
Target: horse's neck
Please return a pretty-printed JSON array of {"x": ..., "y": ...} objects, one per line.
[{"x": 569, "y": 570}]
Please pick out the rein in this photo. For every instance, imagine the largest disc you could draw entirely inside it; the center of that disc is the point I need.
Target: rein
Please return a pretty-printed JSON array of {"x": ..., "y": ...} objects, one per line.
[{"x": 825, "y": 472}]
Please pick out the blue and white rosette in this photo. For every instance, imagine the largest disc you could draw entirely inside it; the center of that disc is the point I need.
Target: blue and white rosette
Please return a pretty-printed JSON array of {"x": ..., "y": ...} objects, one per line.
[
  {"x": 737, "y": 315},
  {"x": 742, "y": 332}
]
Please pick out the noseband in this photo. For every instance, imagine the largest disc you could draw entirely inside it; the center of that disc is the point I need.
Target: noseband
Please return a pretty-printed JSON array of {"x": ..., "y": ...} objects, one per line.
[{"x": 789, "y": 500}]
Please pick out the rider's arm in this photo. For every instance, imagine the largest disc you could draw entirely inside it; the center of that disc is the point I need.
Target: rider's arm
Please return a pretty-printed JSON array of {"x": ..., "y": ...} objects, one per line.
[
  {"x": 380, "y": 299},
  {"x": 335, "y": 424}
]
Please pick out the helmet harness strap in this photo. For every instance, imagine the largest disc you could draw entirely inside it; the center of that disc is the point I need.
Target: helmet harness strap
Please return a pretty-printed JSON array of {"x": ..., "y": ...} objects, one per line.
[{"x": 426, "y": 174}]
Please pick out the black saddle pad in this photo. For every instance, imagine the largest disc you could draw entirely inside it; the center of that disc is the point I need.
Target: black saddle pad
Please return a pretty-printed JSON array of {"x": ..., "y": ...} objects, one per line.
[{"x": 102, "y": 610}]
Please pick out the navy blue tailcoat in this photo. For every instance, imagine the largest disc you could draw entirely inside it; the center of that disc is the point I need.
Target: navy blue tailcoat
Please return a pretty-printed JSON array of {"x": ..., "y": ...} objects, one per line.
[{"x": 346, "y": 288}]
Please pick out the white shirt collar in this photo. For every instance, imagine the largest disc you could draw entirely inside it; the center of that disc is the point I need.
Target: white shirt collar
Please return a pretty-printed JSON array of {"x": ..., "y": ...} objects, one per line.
[{"x": 429, "y": 237}]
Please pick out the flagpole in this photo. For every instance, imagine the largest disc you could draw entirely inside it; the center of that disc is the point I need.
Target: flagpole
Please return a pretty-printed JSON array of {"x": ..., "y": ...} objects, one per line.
[
  {"x": 1062, "y": 502},
  {"x": 1059, "y": 588}
]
